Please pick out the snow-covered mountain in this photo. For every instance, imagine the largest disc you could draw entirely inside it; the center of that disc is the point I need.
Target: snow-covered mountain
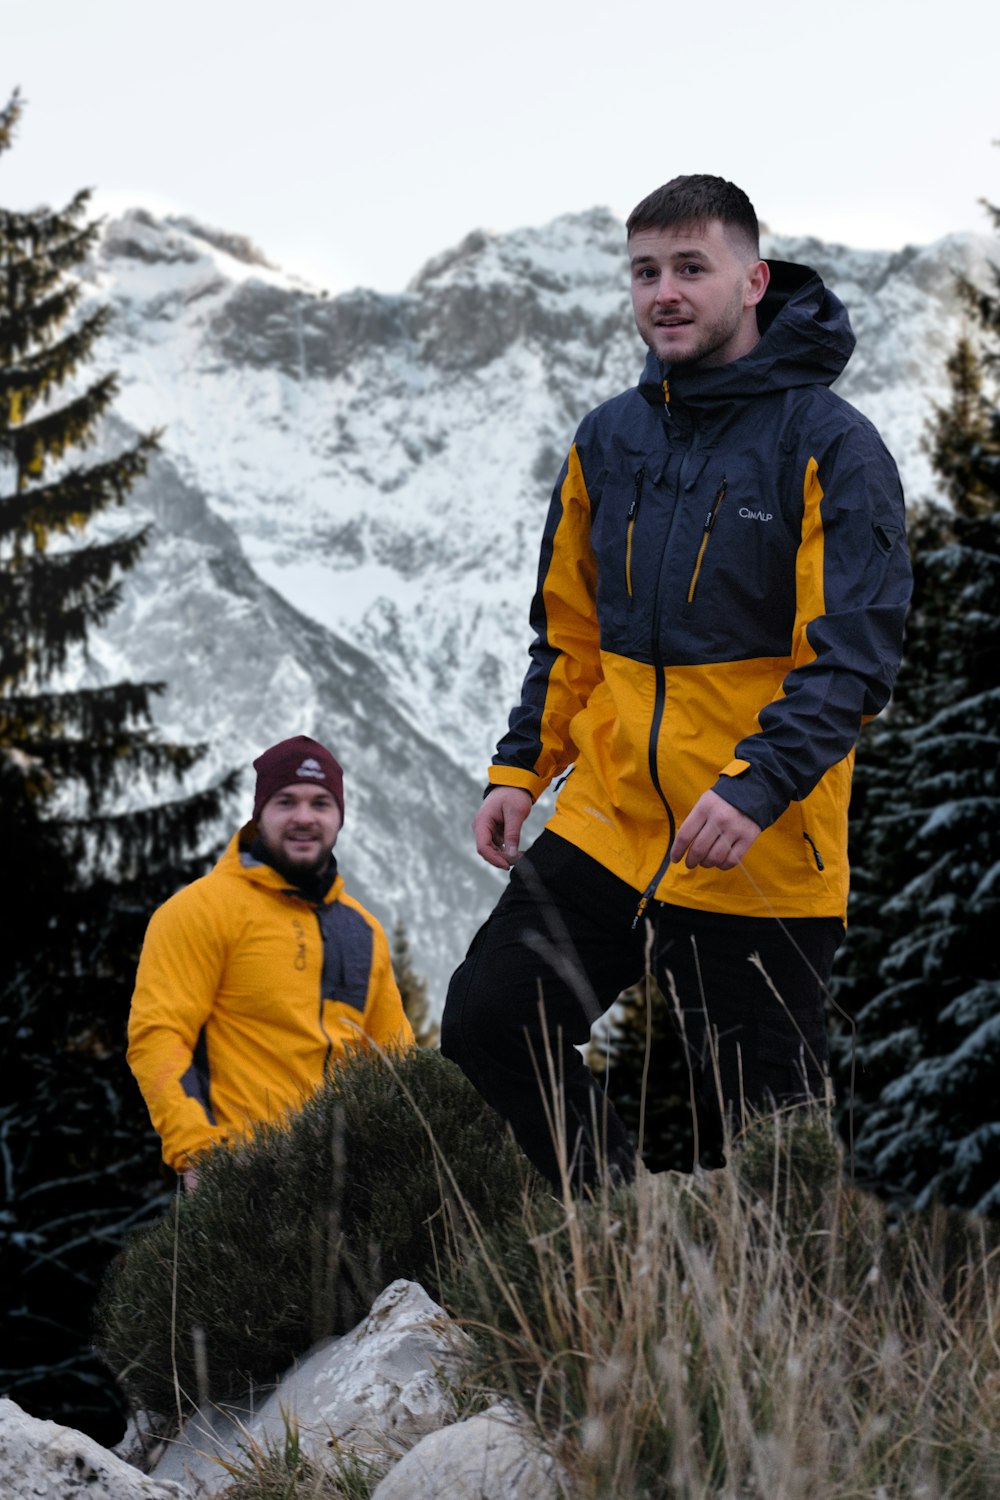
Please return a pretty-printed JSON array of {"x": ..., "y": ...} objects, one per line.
[{"x": 351, "y": 490}]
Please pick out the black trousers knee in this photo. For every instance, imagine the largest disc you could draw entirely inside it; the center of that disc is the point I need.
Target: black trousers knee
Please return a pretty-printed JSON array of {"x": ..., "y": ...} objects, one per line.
[{"x": 558, "y": 950}]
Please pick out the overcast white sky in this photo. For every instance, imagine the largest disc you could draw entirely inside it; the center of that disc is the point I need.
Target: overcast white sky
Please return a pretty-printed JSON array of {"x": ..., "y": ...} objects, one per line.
[{"x": 352, "y": 141}]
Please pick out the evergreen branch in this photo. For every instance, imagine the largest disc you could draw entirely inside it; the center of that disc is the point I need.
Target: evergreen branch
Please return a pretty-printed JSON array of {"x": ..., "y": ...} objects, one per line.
[
  {"x": 159, "y": 837},
  {"x": 38, "y": 247},
  {"x": 84, "y": 713},
  {"x": 106, "y": 766},
  {"x": 9, "y": 117},
  {"x": 51, "y": 602},
  {"x": 59, "y": 244},
  {"x": 57, "y": 507},
  {"x": 24, "y": 324},
  {"x": 37, "y": 227},
  {"x": 23, "y": 385},
  {"x": 49, "y": 436},
  {"x": 24, "y": 283}
]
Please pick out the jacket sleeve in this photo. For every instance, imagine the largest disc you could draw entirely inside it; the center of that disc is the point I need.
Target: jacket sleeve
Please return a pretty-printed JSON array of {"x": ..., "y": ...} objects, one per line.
[
  {"x": 565, "y": 653},
  {"x": 386, "y": 1022},
  {"x": 180, "y": 969},
  {"x": 852, "y": 585}
]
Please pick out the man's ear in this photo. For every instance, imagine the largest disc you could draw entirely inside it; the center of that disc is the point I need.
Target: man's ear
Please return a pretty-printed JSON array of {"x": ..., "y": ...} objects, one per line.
[{"x": 758, "y": 280}]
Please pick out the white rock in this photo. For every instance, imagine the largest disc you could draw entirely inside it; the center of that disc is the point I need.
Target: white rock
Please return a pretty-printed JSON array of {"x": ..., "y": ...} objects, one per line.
[
  {"x": 489, "y": 1457},
  {"x": 41, "y": 1460},
  {"x": 376, "y": 1392}
]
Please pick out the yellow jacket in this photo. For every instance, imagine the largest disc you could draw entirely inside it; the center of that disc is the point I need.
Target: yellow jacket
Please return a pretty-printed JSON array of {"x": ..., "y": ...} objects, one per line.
[{"x": 245, "y": 992}]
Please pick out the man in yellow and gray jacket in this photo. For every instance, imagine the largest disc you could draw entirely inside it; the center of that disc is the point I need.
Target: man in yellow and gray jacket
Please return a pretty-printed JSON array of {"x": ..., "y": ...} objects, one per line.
[
  {"x": 720, "y": 604},
  {"x": 255, "y": 977}
]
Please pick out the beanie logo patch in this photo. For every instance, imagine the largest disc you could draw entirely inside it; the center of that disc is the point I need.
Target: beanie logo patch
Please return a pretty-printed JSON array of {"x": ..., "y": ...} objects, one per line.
[{"x": 312, "y": 768}]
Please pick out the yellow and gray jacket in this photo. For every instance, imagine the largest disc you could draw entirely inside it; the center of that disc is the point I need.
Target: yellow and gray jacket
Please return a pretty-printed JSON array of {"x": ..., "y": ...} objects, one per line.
[
  {"x": 720, "y": 604},
  {"x": 245, "y": 992}
]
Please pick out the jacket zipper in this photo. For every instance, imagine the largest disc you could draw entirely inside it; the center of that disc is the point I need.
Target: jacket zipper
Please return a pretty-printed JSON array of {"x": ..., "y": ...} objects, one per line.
[
  {"x": 633, "y": 514},
  {"x": 659, "y": 704},
  {"x": 654, "y": 736},
  {"x": 706, "y": 533}
]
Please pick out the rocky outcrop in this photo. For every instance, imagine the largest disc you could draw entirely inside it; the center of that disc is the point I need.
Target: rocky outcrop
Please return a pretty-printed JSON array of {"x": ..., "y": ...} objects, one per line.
[
  {"x": 382, "y": 1395},
  {"x": 491, "y": 1455},
  {"x": 43, "y": 1461},
  {"x": 373, "y": 1393}
]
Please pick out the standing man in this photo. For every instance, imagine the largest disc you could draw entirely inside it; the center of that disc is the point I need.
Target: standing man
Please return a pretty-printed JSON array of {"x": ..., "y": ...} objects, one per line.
[
  {"x": 254, "y": 978},
  {"x": 720, "y": 604}
]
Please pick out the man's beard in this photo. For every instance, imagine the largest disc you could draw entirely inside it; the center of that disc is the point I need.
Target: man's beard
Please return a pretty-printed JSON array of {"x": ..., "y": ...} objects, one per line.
[
  {"x": 711, "y": 338},
  {"x": 296, "y": 871}
]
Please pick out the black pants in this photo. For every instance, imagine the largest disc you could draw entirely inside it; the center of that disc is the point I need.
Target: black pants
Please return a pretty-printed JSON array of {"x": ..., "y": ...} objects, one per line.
[{"x": 559, "y": 949}]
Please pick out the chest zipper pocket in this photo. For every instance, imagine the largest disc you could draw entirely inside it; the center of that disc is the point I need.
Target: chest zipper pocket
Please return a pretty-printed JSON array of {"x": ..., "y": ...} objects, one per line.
[
  {"x": 706, "y": 533},
  {"x": 633, "y": 513}
]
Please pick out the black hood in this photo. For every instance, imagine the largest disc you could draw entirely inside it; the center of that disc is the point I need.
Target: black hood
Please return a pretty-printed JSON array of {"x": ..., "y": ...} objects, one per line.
[{"x": 806, "y": 339}]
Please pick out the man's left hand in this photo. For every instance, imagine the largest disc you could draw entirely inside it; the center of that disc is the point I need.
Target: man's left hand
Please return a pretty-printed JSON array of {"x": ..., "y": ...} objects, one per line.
[{"x": 714, "y": 834}]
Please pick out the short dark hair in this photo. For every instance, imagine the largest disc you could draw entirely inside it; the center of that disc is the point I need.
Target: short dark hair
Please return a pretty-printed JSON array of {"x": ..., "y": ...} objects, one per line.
[{"x": 695, "y": 200}]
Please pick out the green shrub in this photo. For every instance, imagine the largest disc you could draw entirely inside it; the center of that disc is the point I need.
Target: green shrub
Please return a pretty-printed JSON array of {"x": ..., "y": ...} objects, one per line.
[
  {"x": 290, "y": 1237},
  {"x": 792, "y": 1160}
]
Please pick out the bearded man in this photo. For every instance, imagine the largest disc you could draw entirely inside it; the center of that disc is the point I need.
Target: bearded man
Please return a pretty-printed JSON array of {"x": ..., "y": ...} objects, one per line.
[{"x": 254, "y": 979}]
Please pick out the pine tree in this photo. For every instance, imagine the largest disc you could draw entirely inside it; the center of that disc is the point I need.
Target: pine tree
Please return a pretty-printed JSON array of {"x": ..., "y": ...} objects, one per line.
[
  {"x": 920, "y": 968},
  {"x": 86, "y": 858},
  {"x": 413, "y": 990}
]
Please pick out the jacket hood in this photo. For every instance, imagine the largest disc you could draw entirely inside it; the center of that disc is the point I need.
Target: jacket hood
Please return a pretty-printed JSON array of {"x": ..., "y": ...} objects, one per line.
[{"x": 806, "y": 339}]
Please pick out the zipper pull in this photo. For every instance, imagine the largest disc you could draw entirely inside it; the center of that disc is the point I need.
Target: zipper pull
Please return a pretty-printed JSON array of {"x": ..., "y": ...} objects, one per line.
[
  {"x": 710, "y": 518},
  {"x": 643, "y": 903},
  {"x": 710, "y": 522},
  {"x": 816, "y": 854},
  {"x": 637, "y": 496}
]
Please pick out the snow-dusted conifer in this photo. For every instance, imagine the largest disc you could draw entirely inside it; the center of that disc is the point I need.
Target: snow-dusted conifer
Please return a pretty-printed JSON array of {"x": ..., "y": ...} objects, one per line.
[
  {"x": 85, "y": 857},
  {"x": 921, "y": 965}
]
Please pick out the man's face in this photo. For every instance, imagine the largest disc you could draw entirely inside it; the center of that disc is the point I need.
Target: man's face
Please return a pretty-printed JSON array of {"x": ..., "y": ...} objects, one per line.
[
  {"x": 299, "y": 826},
  {"x": 693, "y": 295}
]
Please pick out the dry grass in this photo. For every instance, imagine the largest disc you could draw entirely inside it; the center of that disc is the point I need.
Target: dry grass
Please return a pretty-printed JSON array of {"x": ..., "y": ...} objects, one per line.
[
  {"x": 764, "y": 1332},
  {"x": 281, "y": 1470},
  {"x": 761, "y": 1332}
]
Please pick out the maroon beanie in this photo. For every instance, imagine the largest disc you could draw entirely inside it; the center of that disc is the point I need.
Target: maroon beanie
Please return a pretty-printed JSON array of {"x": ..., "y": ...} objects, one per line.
[{"x": 299, "y": 760}]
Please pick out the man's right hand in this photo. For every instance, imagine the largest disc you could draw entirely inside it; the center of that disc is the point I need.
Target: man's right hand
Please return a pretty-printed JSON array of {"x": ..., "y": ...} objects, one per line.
[{"x": 497, "y": 825}]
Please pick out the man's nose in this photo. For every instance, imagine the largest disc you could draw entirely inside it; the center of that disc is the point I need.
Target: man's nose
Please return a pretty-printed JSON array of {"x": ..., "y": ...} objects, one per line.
[{"x": 667, "y": 290}]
